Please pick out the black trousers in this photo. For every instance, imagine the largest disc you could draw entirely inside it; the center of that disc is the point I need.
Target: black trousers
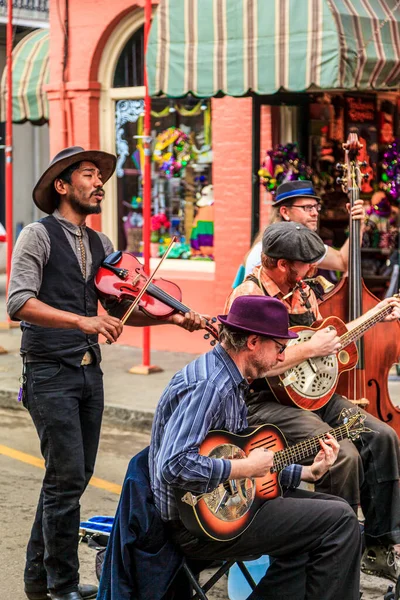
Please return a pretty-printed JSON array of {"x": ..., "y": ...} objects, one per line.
[
  {"x": 66, "y": 406},
  {"x": 366, "y": 472},
  {"x": 314, "y": 539}
]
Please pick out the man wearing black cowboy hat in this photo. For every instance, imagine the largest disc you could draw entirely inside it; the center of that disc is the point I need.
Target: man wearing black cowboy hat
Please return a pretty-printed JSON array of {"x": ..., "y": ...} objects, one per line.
[
  {"x": 52, "y": 292},
  {"x": 313, "y": 538},
  {"x": 367, "y": 472},
  {"x": 298, "y": 201}
]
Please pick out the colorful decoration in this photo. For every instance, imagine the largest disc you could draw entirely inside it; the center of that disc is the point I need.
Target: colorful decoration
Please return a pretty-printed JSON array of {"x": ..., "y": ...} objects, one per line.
[
  {"x": 283, "y": 163},
  {"x": 391, "y": 170},
  {"x": 159, "y": 225},
  {"x": 173, "y": 151}
]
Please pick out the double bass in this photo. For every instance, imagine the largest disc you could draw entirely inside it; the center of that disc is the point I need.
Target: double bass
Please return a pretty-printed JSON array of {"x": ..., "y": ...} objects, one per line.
[{"x": 367, "y": 383}]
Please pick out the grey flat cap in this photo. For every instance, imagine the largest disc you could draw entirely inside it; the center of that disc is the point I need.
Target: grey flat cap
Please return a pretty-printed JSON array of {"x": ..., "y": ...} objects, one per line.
[{"x": 292, "y": 241}]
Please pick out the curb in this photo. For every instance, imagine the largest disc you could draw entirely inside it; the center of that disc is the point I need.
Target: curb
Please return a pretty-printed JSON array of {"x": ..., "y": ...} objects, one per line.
[{"x": 114, "y": 414}]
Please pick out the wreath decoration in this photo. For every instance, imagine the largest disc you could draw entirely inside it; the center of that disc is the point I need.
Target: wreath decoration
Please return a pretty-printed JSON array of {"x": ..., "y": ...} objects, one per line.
[
  {"x": 283, "y": 163},
  {"x": 173, "y": 151}
]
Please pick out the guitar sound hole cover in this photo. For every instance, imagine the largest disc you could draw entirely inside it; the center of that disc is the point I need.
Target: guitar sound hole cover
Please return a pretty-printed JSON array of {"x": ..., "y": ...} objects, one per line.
[
  {"x": 316, "y": 379},
  {"x": 232, "y": 499}
]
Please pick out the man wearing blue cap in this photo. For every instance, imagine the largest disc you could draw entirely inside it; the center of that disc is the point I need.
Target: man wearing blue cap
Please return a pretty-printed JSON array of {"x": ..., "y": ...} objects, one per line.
[
  {"x": 367, "y": 473},
  {"x": 298, "y": 201},
  {"x": 314, "y": 538}
]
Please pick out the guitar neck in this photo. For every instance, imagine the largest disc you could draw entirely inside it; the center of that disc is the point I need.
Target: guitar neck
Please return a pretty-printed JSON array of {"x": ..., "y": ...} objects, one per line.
[
  {"x": 355, "y": 334},
  {"x": 309, "y": 447}
]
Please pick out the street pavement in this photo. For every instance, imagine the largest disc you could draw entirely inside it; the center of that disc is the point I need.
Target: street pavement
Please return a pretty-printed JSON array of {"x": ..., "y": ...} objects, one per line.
[{"x": 20, "y": 484}]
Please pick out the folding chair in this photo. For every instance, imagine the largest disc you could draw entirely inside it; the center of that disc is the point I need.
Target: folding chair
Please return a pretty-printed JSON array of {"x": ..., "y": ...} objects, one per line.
[{"x": 200, "y": 591}]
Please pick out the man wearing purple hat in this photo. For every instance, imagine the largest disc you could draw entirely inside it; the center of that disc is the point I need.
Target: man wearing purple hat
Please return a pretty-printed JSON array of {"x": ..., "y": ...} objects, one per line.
[
  {"x": 314, "y": 538},
  {"x": 52, "y": 292},
  {"x": 298, "y": 201},
  {"x": 366, "y": 473}
]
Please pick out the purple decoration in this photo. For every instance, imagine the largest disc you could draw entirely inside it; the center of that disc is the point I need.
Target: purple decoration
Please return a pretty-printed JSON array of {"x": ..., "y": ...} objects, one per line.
[
  {"x": 391, "y": 170},
  {"x": 283, "y": 163}
]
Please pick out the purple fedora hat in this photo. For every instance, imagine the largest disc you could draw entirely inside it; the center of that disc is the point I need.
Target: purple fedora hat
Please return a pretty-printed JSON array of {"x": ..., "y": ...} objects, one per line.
[{"x": 259, "y": 314}]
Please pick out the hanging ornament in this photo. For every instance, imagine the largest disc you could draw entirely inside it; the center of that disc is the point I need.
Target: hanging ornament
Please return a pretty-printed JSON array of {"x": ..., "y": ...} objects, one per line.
[
  {"x": 283, "y": 163},
  {"x": 391, "y": 170}
]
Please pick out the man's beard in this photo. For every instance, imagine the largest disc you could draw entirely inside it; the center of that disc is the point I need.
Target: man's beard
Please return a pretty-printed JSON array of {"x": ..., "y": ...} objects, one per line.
[
  {"x": 262, "y": 368},
  {"x": 84, "y": 209}
]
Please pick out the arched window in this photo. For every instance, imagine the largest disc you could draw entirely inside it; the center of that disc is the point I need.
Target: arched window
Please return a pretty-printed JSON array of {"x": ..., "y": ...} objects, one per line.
[{"x": 130, "y": 66}]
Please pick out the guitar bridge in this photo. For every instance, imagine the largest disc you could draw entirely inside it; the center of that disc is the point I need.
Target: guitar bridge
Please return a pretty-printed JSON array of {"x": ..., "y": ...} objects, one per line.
[{"x": 291, "y": 378}]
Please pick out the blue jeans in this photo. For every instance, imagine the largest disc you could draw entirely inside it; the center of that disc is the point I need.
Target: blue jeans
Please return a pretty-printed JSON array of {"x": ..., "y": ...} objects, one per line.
[{"x": 66, "y": 406}]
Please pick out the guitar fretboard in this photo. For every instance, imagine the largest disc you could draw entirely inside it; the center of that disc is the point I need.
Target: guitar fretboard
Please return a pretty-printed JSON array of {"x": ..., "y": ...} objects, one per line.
[
  {"x": 357, "y": 332},
  {"x": 309, "y": 447}
]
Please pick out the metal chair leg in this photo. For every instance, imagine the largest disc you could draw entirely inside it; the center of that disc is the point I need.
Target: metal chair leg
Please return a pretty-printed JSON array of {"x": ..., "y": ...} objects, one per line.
[{"x": 246, "y": 574}]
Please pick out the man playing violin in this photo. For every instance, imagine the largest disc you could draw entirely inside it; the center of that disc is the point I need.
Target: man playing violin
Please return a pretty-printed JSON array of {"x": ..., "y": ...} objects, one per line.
[
  {"x": 313, "y": 538},
  {"x": 366, "y": 472},
  {"x": 298, "y": 201},
  {"x": 52, "y": 292}
]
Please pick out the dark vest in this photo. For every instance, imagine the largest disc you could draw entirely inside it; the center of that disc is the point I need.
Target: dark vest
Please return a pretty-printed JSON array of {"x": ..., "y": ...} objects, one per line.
[
  {"x": 64, "y": 287},
  {"x": 305, "y": 319}
]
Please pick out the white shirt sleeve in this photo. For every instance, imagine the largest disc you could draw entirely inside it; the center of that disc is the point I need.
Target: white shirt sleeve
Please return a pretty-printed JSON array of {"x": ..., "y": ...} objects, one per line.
[
  {"x": 253, "y": 259},
  {"x": 321, "y": 259}
]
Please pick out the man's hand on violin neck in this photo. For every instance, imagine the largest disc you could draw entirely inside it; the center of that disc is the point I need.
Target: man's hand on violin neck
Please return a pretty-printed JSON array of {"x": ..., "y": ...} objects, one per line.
[
  {"x": 110, "y": 327},
  {"x": 190, "y": 321}
]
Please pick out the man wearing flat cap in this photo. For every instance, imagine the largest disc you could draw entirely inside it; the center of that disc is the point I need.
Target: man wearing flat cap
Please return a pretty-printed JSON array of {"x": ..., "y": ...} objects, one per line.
[
  {"x": 309, "y": 535},
  {"x": 298, "y": 201},
  {"x": 52, "y": 292},
  {"x": 366, "y": 472}
]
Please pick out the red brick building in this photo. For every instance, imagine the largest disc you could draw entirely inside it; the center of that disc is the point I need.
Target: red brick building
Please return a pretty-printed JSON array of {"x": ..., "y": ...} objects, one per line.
[{"x": 96, "y": 64}]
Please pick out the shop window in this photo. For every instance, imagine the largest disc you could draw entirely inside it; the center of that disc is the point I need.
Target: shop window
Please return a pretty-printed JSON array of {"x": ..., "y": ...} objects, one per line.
[
  {"x": 129, "y": 71},
  {"x": 182, "y": 201}
]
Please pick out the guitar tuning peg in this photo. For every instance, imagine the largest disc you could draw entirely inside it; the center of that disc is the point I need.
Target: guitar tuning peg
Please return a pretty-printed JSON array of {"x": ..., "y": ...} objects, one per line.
[
  {"x": 214, "y": 320},
  {"x": 340, "y": 180},
  {"x": 340, "y": 167},
  {"x": 206, "y": 336},
  {"x": 212, "y": 343}
]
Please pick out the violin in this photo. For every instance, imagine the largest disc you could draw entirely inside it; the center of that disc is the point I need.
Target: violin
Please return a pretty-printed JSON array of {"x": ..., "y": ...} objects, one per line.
[{"x": 122, "y": 277}]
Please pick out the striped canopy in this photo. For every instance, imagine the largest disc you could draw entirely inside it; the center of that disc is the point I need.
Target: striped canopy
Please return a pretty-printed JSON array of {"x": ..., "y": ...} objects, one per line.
[
  {"x": 234, "y": 47},
  {"x": 30, "y": 73}
]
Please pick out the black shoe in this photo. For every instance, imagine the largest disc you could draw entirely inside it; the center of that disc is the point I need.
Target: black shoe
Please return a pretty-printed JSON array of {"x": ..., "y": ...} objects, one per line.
[
  {"x": 86, "y": 592},
  {"x": 70, "y": 596}
]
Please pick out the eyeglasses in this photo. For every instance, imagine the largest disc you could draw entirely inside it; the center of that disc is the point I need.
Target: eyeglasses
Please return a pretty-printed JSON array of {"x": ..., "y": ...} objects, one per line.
[
  {"x": 308, "y": 207},
  {"x": 282, "y": 347}
]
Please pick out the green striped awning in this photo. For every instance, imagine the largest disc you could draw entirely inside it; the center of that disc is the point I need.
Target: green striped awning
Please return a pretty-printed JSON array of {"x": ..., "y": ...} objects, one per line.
[
  {"x": 233, "y": 47},
  {"x": 30, "y": 74}
]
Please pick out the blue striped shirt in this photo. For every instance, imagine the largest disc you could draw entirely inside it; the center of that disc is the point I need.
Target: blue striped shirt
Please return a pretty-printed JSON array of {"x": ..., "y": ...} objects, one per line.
[{"x": 206, "y": 394}]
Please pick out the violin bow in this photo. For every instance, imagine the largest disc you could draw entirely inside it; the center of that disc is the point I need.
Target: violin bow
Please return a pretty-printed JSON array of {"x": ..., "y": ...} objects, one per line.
[{"x": 148, "y": 282}]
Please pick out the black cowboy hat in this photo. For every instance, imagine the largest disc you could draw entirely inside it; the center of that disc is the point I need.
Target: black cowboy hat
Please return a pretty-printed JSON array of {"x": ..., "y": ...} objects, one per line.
[{"x": 44, "y": 194}]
